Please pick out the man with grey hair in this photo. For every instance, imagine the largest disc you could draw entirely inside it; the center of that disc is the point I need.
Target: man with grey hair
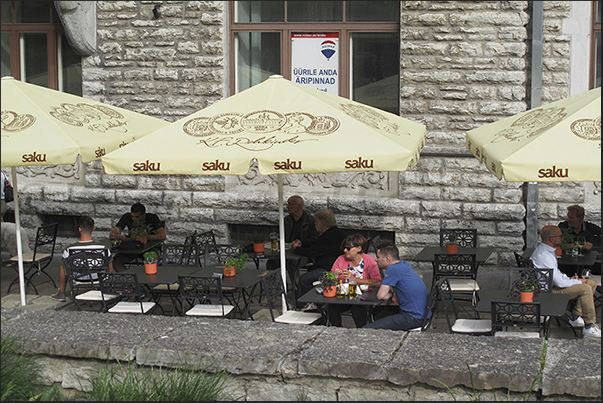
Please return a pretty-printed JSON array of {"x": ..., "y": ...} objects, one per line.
[{"x": 323, "y": 251}]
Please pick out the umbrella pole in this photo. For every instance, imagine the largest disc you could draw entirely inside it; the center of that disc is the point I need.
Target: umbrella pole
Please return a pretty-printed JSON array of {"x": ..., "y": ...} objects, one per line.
[
  {"x": 18, "y": 234},
  {"x": 281, "y": 230}
]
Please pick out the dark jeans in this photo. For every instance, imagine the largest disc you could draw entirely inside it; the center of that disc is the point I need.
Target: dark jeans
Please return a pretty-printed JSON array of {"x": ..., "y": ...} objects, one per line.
[
  {"x": 359, "y": 314},
  {"x": 399, "y": 321}
]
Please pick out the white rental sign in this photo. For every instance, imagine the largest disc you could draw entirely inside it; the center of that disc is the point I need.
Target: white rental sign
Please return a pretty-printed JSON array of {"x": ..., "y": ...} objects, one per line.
[{"x": 315, "y": 61}]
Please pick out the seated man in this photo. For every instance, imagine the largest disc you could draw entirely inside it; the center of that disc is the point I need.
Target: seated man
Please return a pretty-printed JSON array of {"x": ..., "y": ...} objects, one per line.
[
  {"x": 584, "y": 313},
  {"x": 137, "y": 212},
  {"x": 323, "y": 251},
  {"x": 405, "y": 288},
  {"x": 576, "y": 226},
  {"x": 85, "y": 227},
  {"x": 299, "y": 226}
]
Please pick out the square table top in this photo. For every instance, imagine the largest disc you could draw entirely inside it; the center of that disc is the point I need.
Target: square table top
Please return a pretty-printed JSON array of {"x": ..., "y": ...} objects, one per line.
[
  {"x": 368, "y": 298},
  {"x": 587, "y": 260},
  {"x": 134, "y": 247},
  {"x": 166, "y": 274},
  {"x": 427, "y": 254},
  {"x": 551, "y": 304}
]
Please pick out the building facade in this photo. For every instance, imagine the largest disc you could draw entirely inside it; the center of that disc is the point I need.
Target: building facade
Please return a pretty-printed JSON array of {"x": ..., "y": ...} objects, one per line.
[{"x": 462, "y": 64}]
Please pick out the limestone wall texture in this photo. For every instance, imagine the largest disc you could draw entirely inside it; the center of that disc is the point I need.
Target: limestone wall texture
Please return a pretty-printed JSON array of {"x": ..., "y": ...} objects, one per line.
[{"x": 463, "y": 64}]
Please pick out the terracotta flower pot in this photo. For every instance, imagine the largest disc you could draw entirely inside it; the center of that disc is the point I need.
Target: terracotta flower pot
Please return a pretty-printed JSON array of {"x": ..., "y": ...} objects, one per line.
[
  {"x": 142, "y": 239},
  {"x": 150, "y": 268},
  {"x": 329, "y": 291},
  {"x": 452, "y": 248},
  {"x": 526, "y": 296},
  {"x": 229, "y": 271},
  {"x": 558, "y": 251},
  {"x": 259, "y": 247}
]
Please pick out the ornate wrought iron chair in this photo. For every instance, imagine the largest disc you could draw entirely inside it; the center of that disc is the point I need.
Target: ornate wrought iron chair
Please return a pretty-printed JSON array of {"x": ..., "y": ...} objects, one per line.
[
  {"x": 204, "y": 296},
  {"x": 465, "y": 237},
  {"x": 523, "y": 261},
  {"x": 128, "y": 291},
  {"x": 82, "y": 268},
  {"x": 458, "y": 325},
  {"x": 273, "y": 289},
  {"x": 37, "y": 261},
  {"x": 461, "y": 270},
  {"x": 516, "y": 319}
]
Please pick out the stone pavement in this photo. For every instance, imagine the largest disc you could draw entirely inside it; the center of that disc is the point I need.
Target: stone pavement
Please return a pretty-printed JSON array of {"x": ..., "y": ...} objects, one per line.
[{"x": 271, "y": 361}]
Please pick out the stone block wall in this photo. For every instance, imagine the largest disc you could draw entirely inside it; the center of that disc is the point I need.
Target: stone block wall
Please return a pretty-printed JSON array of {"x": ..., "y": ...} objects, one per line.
[{"x": 463, "y": 64}]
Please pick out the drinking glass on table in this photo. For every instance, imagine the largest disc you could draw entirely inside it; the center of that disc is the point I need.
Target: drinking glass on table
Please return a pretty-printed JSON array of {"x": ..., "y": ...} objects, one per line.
[{"x": 581, "y": 241}]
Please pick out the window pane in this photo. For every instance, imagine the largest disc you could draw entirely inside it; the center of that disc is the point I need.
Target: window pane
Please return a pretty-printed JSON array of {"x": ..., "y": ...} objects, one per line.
[
  {"x": 5, "y": 54},
  {"x": 33, "y": 11},
  {"x": 34, "y": 68},
  {"x": 6, "y": 12},
  {"x": 258, "y": 57},
  {"x": 372, "y": 11},
  {"x": 598, "y": 59},
  {"x": 259, "y": 11},
  {"x": 70, "y": 68},
  {"x": 375, "y": 70},
  {"x": 314, "y": 11}
]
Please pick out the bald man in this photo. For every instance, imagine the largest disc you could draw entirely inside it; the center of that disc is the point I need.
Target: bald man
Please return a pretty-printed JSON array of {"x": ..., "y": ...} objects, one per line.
[{"x": 584, "y": 313}]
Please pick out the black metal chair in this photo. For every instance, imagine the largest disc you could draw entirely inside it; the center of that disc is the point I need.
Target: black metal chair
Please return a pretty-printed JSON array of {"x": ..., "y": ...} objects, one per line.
[
  {"x": 204, "y": 296},
  {"x": 37, "y": 261},
  {"x": 125, "y": 288},
  {"x": 523, "y": 261},
  {"x": 273, "y": 290},
  {"x": 202, "y": 239},
  {"x": 517, "y": 319},
  {"x": 82, "y": 268},
  {"x": 458, "y": 325},
  {"x": 186, "y": 254},
  {"x": 465, "y": 237},
  {"x": 461, "y": 271}
]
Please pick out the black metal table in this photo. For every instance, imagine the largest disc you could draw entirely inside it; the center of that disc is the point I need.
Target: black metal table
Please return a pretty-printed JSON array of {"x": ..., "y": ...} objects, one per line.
[
  {"x": 589, "y": 258},
  {"x": 368, "y": 298},
  {"x": 427, "y": 254},
  {"x": 244, "y": 282}
]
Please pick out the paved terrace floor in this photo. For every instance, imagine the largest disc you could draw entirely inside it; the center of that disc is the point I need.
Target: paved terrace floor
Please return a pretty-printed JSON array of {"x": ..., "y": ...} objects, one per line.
[{"x": 278, "y": 362}]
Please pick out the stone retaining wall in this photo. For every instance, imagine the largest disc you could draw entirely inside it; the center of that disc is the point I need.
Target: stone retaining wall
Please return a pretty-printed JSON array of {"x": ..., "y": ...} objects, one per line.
[{"x": 271, "y": 361}]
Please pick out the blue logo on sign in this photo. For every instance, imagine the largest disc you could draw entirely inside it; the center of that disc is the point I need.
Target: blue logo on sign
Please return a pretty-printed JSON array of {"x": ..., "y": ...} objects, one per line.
[{"x": 327, "y": 48}]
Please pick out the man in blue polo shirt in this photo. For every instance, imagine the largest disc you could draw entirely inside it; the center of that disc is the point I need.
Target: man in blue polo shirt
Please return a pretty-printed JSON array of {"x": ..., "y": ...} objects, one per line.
[{"x": 405, "y": 288}]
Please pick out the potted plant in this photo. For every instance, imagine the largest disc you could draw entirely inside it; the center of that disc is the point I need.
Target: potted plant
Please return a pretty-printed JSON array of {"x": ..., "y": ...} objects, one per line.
[
  {"x": 258, "y": 240},
  {"x": 150, "y": 262},
  {"x": 141, "y": 230},
  {"x": 329, "y": 284},
  {"x": 567, "y": 241},
  {"x": 527, "y": 286},
  {"x": 235, "y": 262},
  {"x": 452, "y": 246}
]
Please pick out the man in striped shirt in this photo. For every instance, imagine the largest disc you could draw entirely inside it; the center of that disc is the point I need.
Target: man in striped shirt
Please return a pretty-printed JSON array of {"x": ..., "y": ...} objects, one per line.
[{"x": 85, "y": 227}]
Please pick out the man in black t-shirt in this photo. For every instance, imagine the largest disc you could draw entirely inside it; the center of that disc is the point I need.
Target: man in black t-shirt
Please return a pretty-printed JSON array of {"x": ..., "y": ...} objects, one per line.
[{"x": 137, "y": 212}]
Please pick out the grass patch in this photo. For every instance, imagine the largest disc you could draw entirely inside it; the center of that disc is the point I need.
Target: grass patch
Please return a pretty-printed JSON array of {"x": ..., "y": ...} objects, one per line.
[
  {"x": 133, "y": 383},
  {"x": 20, "y": 375}
]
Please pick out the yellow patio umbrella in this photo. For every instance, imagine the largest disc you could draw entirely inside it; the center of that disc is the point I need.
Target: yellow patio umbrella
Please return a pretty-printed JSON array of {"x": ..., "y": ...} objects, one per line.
[
  {"x": 42, "y": 126},
  {"x": 560, "y": 141},
  {"x": 286, "y": 128}
]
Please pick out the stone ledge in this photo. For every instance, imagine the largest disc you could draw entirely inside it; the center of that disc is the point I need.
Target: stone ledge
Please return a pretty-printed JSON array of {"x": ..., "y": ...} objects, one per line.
[{"x": 292, "y": 352}]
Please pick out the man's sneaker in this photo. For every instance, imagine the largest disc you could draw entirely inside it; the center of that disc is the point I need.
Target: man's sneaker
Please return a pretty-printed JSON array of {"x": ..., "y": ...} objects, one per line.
[
  {"x": 592, "y": 331},
  {"x": 59, "y": 296},
  {"x": 578, "y": 322},
  {"x": 309, "y": 307}
]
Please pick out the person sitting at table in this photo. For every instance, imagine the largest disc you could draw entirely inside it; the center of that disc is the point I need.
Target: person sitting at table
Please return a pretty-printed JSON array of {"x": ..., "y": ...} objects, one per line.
[
  {"x": 85, "y": 227},
  {"x": 137, "y": 212},
  {"x": 404, "y": 287},
  {"x": 576, "y": 226},
  {"x": 584, "y": 313},
  {"x": 299, "y": 226},
  {"x": 323, "y": 251},
  {"x": 362, "y": 268}
]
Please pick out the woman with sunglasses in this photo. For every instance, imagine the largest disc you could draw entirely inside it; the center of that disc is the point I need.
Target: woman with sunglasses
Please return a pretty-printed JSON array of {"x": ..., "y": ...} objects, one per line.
[{"x": 362, "y": 268}]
